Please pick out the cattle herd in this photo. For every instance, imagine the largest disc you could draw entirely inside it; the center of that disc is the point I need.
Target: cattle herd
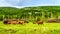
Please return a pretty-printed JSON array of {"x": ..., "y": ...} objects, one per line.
[
  {"x": 16, "y": 21},
  {"x": 53, "y": 21},
  {"x": 22, "y": 21}
]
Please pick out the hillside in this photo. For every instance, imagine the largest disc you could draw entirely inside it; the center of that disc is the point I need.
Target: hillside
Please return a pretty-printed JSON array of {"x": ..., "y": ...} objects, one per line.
[{"x": 30, "y": 12}]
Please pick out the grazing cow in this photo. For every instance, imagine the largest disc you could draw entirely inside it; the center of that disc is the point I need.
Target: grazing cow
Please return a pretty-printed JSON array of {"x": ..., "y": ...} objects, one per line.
[
  {"x": 22, "y": 22},
  {"x": 5, "y": 21},
  {"x": 53, "y": 21},
  {"x": 58, "y": 20},
  {"x": 12, "y": 22},
  {"x": 9, "y": 21},
  {"x": 38, "y": 22}
]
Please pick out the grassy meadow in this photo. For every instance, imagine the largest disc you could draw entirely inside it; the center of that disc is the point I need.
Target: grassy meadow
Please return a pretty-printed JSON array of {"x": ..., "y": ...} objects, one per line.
[
  {"x": 46, "y": 28},
  {"x": 30, "y": 14}
]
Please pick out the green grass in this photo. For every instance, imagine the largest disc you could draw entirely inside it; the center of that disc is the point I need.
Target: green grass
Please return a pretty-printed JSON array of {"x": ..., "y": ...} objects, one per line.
[{"x": 46, "y": 28}]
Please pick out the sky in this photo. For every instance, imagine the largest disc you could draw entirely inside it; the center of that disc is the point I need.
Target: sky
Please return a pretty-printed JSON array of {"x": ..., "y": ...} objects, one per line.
[{"x": 25, "y": 3}]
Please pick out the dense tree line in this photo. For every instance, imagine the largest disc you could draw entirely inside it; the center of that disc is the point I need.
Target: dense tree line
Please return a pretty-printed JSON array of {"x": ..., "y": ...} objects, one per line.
[{"x": 30, "y": 13}]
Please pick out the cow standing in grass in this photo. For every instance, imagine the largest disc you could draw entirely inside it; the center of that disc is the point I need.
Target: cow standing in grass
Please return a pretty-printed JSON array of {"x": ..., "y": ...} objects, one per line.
[
  {"x": 10, "y": 21},
  {"x": 5, "y": 21},
  {"x": 53, "y": 21},
  {"x": 22, "y": 21},
  {"x": 38, "y": 22}
]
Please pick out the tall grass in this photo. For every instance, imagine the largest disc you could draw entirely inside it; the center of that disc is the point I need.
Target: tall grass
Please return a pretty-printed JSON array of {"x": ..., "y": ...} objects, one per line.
[{"x": 30, "y": 28}]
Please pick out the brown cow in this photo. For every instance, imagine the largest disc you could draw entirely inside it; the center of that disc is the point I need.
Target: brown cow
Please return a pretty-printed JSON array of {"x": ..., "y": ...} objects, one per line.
[
  {"x": 22, "y": 21},
  {"x": 38, "y": 22},
  {"x": 53, "y": 21},
  {"x": 9, "y": 21},
  {"x": 12, "y": 22}
]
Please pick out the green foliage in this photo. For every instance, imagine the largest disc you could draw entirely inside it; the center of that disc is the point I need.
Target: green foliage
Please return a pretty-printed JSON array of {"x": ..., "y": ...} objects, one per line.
[
  {"x": 30, "y": 12},
  {"x": 1, "y": 18}
]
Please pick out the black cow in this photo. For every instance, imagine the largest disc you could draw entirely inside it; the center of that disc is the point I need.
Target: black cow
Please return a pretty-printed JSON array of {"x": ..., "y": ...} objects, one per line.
[{"x": 5, "y": 21}]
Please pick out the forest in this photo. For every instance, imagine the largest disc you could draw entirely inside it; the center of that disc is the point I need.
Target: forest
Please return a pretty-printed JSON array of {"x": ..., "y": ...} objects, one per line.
[{"x": 30, "y": 13}]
